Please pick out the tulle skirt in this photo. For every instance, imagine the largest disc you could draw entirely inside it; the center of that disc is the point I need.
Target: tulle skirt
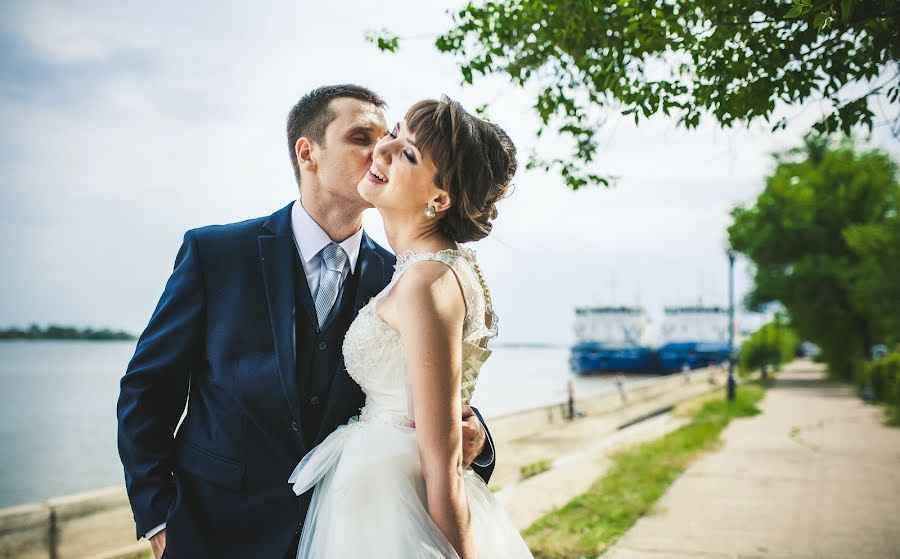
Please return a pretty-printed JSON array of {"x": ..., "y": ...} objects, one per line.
[{"x": 369, "y": 501}]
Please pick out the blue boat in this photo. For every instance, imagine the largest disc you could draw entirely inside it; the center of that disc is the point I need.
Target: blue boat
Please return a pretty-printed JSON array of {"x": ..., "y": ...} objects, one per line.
[
  {"x": 611, "y": 339},
  {"x": 696, "y": 337}
]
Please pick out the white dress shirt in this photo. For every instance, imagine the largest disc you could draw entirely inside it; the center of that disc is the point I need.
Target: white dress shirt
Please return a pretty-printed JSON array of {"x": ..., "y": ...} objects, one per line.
[{"x": 310, "y": 239}]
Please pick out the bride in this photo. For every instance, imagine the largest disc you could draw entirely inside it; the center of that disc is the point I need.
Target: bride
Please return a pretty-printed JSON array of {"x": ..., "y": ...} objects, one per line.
[{"x": 390, "y": 483}]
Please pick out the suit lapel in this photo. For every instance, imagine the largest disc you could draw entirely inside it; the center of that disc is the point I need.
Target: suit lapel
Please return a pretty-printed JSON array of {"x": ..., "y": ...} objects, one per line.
[
  {"x": 306, "y": 300},
  {"x": 277, "y": 261}
]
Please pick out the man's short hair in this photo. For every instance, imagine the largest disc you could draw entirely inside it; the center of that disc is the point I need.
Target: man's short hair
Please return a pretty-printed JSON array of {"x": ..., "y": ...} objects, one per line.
[{"x": 312, "y": 114}]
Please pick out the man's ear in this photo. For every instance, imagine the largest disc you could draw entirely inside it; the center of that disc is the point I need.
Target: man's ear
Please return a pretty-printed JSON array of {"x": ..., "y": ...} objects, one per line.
[
  {"x": 304, "y": 149},
  {"x": 441, "y": 201}
]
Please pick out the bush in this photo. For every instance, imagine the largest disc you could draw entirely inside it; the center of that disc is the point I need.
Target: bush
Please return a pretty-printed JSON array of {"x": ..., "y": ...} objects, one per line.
[
  {"x": 896, "y": 419},
  {"x": 892, "y": 382},
  {"x": 773, "y": 344},
  {"x": 882, "y": 377},
  {"x": 877, "y": 380},
  {"x": 897, "y": 392}
]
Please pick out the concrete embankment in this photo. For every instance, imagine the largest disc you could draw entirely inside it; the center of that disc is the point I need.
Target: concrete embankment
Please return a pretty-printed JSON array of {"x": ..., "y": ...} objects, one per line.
[
  {"x": 99, "y": 524},
  {"x": 579, "y": 450},
  {"x": 81, "y": 525}
]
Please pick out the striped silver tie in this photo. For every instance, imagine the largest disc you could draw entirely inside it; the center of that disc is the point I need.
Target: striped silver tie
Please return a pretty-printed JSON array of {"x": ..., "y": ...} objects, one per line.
[{"x": 333, "y": 260}]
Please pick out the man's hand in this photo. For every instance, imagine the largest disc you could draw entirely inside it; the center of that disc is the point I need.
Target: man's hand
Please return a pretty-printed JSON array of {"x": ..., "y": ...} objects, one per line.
[
  {"x": 158, "y": 543},
  {"x": 473, "y": 436}
]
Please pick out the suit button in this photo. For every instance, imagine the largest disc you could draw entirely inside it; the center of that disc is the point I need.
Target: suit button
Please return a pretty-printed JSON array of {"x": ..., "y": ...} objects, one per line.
[
  {"x": 323, "y": 345},
  {"x": 314, "y": 400},
  {"x": 294, "y": 426}
]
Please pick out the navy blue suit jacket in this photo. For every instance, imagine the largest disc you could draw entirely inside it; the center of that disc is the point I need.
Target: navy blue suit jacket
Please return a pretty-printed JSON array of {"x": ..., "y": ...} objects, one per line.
[{"x": 221, "y": 340}]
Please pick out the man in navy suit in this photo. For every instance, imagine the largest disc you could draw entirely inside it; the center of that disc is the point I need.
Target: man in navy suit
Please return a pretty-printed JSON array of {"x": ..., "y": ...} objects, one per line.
[{"x": 243, "y": 336}]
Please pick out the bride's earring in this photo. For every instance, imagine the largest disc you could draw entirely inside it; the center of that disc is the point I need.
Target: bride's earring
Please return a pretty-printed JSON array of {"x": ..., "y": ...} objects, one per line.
[{"x": 430, "y": 212}]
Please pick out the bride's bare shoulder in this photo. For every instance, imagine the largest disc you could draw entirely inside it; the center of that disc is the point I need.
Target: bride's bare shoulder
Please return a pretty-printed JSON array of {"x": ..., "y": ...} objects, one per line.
[{"x": 429, "y": 285}]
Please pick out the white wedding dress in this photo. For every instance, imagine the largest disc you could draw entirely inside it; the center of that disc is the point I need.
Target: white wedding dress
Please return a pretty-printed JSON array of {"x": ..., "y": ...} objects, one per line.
[{"x": 369, "y": 497}]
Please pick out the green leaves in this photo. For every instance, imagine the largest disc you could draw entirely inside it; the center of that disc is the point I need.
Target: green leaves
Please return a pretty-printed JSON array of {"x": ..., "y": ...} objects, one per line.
[
  {"x": 692, "y": 60},
  {"x": 824, "y": 239},
  {"x": 824, "y": 13},
  {"x": 822, "y": 21},
  {"x": 772, "y": 345},
  {"x": 845, "y": 117},
  {"x": 846, "y": 9},
  {"x": 801, "y": 8},
  {"x": 384, "y": 40}
]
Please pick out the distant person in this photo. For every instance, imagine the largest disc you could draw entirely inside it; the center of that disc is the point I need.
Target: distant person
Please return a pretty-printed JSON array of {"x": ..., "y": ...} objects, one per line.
[
  {"x": 249, "y": 330},
  {"x": 620, "y": 385}
]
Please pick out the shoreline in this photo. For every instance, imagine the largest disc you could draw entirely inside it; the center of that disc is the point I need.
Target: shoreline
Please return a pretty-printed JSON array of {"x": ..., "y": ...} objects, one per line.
[
  {"x": 99, "y": 522},
  {"x": 101, "y": 340}
]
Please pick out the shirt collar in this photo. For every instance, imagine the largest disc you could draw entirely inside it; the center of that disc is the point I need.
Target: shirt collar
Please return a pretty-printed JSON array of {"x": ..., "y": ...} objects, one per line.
[{"x": 311, "y": 238}]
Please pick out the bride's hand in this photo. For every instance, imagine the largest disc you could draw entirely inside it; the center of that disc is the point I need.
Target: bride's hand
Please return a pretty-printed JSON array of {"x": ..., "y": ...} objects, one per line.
[{"x": 473, "y": 436}]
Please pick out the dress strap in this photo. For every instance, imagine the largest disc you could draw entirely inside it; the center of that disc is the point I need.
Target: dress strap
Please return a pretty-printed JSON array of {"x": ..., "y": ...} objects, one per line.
[{"x": 485, "y": 326}]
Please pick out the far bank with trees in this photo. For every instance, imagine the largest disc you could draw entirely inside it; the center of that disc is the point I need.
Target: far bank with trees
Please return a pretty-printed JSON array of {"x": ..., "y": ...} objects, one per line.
[{"x": 57, "y": 332}]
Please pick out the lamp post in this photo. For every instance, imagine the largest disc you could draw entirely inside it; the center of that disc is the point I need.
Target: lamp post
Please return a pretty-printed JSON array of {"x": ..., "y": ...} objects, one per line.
[{"x": 731, "y": 387}]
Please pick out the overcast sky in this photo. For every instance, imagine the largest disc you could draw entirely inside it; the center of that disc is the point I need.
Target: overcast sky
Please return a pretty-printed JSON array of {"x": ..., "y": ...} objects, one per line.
[{"x": 124, "y": 124}]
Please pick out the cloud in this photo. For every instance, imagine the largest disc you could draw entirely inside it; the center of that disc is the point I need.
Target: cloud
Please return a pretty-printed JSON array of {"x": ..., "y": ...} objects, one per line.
[{"x": 126, "y": 124}]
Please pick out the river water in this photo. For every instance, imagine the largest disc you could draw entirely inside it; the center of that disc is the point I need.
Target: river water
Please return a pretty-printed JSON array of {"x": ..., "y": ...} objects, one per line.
[{"x": 58, "y": 408}]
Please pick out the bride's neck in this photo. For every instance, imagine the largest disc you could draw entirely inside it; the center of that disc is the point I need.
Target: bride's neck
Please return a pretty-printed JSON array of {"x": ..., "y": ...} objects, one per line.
[{"x": 416, "y": 237}]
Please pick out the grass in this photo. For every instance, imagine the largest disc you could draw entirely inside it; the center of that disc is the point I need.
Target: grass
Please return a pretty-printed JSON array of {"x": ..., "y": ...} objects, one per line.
[
  {"x": 691, "y": 407},
  {"x": 591, "y": 522},
  {"x": 534, "y": 468}
]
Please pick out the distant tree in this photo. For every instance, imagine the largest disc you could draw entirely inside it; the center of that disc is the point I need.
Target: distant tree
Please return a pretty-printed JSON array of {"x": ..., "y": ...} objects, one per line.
[
  {"x": 875, "y": 281},
  {"x": 772, "y": 345},
  {"x": 722, "y": 59},
  {"x": 57, "y": 332},
  {"x": 819, "y": 236}
]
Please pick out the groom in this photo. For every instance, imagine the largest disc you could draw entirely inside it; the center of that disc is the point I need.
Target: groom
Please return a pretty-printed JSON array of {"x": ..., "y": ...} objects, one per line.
[{"x": 248, "y": 334}]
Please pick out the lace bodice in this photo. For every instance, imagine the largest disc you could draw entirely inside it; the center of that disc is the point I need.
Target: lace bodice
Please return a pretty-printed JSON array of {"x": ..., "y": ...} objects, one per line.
[{"x": 373, "y": 352}]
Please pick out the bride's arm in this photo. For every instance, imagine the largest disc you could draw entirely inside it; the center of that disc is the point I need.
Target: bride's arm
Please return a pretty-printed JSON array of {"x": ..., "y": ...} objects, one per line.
[{"x": 430, "y": 313}]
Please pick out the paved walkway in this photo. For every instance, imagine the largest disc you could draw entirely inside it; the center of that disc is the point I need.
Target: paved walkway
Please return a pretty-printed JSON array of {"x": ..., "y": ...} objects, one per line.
[{"x": 816, "y": 475}]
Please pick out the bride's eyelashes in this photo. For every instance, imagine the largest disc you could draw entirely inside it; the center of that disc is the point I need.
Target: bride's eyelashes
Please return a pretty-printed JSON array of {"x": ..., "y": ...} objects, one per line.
[
  {"x": 393, "y": 133},
  {"x": 409, "y": 155}
]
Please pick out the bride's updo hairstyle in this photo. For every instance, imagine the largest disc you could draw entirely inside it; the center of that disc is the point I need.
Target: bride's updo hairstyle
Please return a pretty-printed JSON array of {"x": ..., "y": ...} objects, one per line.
[{"x": 475, "y": 162}]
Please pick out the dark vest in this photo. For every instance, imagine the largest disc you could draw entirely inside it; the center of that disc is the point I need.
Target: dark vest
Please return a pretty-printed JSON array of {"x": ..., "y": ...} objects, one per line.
[{"x": 318, "y": 351}]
